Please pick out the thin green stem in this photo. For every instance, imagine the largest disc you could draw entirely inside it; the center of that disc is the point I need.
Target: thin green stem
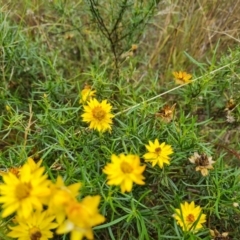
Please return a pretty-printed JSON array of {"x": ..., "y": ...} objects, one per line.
[{"x": 171, "y": 90}]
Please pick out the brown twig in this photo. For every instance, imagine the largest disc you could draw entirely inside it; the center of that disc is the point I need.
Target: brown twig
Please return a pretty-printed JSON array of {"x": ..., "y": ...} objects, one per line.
[{"x": 236, "y": 154}]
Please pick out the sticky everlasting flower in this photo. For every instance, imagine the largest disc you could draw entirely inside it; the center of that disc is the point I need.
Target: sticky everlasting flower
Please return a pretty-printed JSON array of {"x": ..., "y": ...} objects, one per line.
[
  {"x": 86, "y": 94},
  {"x": 61, "y": 196},
  {"x": 81, "y": 217},
  {"x": 189, "y": 216},
  {"x": 124, "y": 170},
  {"x": 25, "y": 192},
  {"x": 158, "y": 153},
  {"x": 36, "y": 227},
  {"x": 98, "y": 114},
  {"x": 182, "y": 77},
  {"x": 203, "y": 163}
]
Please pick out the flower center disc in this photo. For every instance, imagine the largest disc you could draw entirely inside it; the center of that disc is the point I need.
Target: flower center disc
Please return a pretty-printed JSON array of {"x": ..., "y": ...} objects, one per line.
[
  {"x": 126, "y": 167},
  {"x": 190, "y": 218},
  {"x": 98, "y": 113},
  {"x": 23, "y": 190},
  {"x": 35, "y": 233},
  {"x": 203, "y": 161},
  {"x": 158, "y": 150},
  {"x": 74, "y": 211}
]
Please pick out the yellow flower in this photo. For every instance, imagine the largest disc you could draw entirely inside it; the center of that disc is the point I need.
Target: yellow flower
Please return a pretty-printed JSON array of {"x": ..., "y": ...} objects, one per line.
[
  {"x": 158, "y": 153},
  {"x": 124, "y": 170},
  {"x": 81, "y": 217},
  {"x": 203, "y": 163},
  {"x": 98, "y": 115},
  {"x": 182, "y": 77},
  {"x": 189, "y": 217},
  {"x": 86, "y": 94},
  {"x": 37, "y": 226},
  {"x": 60, "y": 197},
  {"x": 35, "y": 167},
  {"x": 16, "y": 170},
  {"x": 25, "y": 192}
]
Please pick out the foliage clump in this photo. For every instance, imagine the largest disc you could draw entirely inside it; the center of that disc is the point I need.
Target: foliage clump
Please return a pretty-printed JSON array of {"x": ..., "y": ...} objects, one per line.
[{"x": 82, "y": 86}]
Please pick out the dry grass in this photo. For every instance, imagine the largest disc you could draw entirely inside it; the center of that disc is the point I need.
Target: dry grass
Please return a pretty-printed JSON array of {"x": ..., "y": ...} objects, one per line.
[
  {"x": 178, "y": 25},
  {"x": 192, "y": 26}
]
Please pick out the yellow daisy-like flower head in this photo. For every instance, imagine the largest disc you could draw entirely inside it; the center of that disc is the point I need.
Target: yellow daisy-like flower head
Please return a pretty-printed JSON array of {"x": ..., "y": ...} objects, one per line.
[
  {"x": 189, "y": 216},
  {"x": 182, "y": 77},
  {"x": 124, "y": 171},
  {"x": 98, "y": 114},
  {"x": 158, "y": 153},
  {"x": 81, "y": 217},
  {"x": 35, "y": 167},
  {"x": 25, "y": 192},
  {"x": 61, "y": 196},
  {"x": 36, "y": 227},
  {"x": 203, "y": 163},
  {"x": 86, "y": 94}
]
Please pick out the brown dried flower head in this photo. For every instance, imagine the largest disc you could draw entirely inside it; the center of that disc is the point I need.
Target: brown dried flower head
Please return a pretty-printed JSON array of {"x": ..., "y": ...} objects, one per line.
[
  {"x": 229, "y": 117},
  {"x": 219, "y": 236},
  {"x": 230, "y": 105},
  {"x": 203, "y": 162},
  {"x": 166, "y": 113},
  {"x": 13, "y": 170}
]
